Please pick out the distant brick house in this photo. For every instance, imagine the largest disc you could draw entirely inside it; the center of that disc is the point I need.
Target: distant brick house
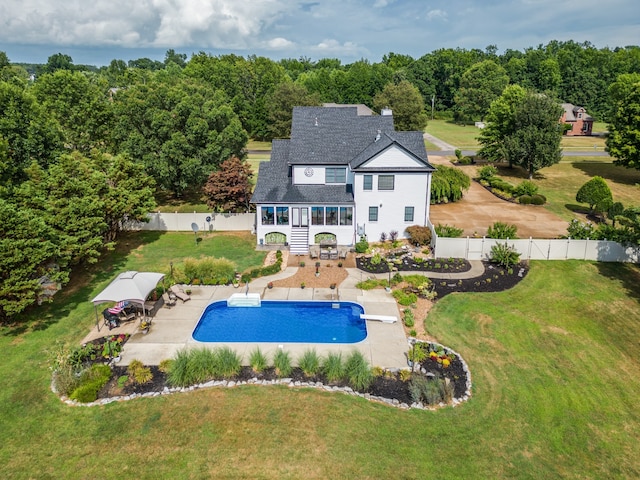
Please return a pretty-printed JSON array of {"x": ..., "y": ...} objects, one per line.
[{"x": 577, "y": 117}]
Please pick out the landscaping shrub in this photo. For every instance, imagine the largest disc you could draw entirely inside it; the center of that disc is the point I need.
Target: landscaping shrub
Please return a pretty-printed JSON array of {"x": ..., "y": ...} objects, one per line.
[
  {"x": 579, "y": 230},
  {"x": 371, "y": 283},
  {"x": 526, "y": 187},
  {"x": 309, "y": 362},
  {"x": 405, "y": 299},
  {"x": 448, "y": 231},
  {"x": 357, "y": 371},
  {"x": 594, "y": 192},
  {"x": 165, "y": 365},
  {"x": 487, "y": 172},
  {"x": 282, "y": 363},
  {"x": 332, "y": 367},
  {"x": 202, "y": 365},
  {"x": 502, "y": 231},
  {"x": 524, "y": 199},
  {"x": 448, "y": 184},
  {"x": 138, "y": 373},
  {"x": 362, "y": 245},
  {"x": 419, "y": 235},
  {"x": 91, "y": 381},
  {"x": 498, "y": 184},
  {"x": 228, "y": 363},
  {"x": 538, "y": 199},
  {"x": 504, "y": 255},
  {"x": 209, "y": 270},
  {"x": 417, "y": 281},
  {"x": 178, "y": 375},
  {"x": 409, "y": 319},
  {"x": 258, "y": 360}
]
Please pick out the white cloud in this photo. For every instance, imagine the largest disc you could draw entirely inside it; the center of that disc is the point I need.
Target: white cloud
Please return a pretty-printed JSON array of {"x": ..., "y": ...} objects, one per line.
[
  {"x": 144, "y": 23},
  {"x": 280, "y": 43},
  {"x": 436, "y": 15}
]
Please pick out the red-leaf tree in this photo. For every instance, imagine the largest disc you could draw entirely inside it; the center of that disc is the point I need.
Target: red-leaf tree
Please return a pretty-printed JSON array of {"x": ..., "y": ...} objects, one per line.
[{"x": 228, "y": 189}]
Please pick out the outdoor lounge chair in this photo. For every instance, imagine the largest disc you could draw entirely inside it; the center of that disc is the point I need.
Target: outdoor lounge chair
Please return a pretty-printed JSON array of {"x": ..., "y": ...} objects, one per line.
[
  {"x": 178, "y": 292},
  {"x": 169, "y": 301}
]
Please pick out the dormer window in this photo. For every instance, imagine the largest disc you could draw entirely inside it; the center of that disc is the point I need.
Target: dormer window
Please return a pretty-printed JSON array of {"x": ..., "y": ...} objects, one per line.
[{"x": 335, "y": 175}]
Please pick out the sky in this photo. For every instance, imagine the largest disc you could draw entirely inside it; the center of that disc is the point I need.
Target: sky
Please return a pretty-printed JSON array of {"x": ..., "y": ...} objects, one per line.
[{"x": 98, "y": 31}]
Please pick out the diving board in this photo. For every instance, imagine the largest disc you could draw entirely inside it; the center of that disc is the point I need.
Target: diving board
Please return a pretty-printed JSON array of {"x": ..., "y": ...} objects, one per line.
[{"x": 379, "y": 318}]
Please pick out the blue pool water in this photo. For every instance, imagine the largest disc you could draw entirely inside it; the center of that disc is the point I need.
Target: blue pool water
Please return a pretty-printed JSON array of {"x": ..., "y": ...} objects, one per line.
[{"x": 283, "y": 322}]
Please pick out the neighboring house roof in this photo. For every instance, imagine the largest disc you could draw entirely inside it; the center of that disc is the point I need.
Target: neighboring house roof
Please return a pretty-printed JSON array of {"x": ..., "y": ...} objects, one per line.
[
  {"x": 361, "y": 108},
  {"x": 331, "y": 136},
  {"x": 571, "y": 111}
]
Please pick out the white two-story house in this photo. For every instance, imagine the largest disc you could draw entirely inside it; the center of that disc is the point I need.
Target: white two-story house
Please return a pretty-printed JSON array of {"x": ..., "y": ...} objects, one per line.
[{"x": 341, "y": 175}]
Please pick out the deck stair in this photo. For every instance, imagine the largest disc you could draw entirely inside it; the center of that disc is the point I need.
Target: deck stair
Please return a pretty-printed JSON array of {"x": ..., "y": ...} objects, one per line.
[{"x": 299, "y": 241}]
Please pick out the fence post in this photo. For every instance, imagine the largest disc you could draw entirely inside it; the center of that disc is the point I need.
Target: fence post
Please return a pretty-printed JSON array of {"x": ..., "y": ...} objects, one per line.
[{"x": 530, "y": 245}]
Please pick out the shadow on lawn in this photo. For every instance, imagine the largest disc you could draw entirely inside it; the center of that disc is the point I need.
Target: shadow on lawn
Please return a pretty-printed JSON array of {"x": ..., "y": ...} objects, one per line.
[
  {"x": 610, "y": 172},
  {"x": 628, "y": 274},
  {"x": 82, "y": 286}
]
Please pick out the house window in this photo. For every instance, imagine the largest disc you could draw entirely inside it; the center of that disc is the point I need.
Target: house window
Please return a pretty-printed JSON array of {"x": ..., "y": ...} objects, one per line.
[
  {"x": 367, "y": 182},
  {"x": 282, "y": 215},
  {"x": 373, "y": 214},
  {"x": 346, "y": 215},
  {"x": 385, "y": 182},
  {"x": 267, "y": 215},
  {"x": 332, "y": 215},
  {"x": 408, "y": 214},
  {"x": 317, "y": 215},
  {"x": 335, "y": 175}
]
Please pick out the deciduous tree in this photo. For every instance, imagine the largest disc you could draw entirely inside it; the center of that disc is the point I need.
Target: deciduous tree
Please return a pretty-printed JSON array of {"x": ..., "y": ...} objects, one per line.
[
  {"x": 479, "y": 86},
  {"x": 280, "y": 107},
  {"x": 28, "y": 253},
  {"x": 406, "y": 103},
  {"x": 179, "y": 129},
  {"x": 229, "y": 188},
  {"x": 623, "y": 142}
]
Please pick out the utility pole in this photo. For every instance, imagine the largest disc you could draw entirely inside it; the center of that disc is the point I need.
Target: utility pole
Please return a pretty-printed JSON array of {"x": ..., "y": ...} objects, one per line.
[{"x": 433, "y": 101}]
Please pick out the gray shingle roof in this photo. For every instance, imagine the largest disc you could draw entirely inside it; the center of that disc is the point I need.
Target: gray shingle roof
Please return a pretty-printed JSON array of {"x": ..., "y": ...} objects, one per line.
[{"x": 330, "y": 136}]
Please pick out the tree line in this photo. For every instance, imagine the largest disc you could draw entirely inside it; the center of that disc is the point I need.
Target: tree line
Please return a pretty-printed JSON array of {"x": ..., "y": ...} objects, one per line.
[{"x": 83, "y": 149}]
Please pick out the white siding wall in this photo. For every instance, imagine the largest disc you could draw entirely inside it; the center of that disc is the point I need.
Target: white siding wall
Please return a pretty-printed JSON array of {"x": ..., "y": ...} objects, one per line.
[
  {"x": 299, "y": 178},
  {"x": 392, "y": 156},
  {"x": 410, "y": 190}
]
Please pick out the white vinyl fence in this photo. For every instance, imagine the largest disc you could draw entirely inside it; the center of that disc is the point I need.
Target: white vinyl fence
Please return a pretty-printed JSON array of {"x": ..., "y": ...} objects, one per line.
[
  {"x": 207, "y": 222},
  {"x": 536, "y": 249}
]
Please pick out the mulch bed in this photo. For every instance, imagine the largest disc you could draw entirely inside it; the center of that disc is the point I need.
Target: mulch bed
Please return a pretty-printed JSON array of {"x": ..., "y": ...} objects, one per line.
[
  {"x": 495, "y": 279},
  {"x": 409, "y": 263},
  {"x": 388, "y": 385}
]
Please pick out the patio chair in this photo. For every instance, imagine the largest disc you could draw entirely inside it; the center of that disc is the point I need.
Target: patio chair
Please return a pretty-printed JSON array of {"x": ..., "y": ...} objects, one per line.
[
  {"x": 169, "y": 301},
  {"x": 178, "y": 292}
]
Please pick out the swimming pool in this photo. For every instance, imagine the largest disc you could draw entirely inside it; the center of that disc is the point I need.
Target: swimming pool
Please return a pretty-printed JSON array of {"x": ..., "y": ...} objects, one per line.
[{"x": 282, "y": 322}]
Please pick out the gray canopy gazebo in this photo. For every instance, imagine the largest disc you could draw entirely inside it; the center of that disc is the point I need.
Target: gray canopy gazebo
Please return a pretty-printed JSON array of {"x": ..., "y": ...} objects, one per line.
[{"x": 129, "y": 286}]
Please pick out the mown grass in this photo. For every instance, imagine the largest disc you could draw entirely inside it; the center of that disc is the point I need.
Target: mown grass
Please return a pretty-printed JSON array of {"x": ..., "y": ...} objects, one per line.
[
  {"x": 554, "y": 365},
  {"x": 460, "y": 136}
]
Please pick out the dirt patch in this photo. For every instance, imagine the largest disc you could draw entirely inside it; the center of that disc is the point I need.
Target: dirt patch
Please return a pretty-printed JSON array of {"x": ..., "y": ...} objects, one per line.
[
  {"x": 479, "y": 209},
  {"x": 328, "y": 273}
]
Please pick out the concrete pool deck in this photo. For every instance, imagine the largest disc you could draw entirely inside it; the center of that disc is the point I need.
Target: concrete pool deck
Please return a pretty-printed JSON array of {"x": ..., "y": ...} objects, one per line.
[{"x": 385, "y": 346}]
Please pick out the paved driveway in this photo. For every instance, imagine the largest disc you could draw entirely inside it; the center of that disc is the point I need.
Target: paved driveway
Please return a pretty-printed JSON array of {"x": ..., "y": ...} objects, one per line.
[{"x": 479, "y": 209}]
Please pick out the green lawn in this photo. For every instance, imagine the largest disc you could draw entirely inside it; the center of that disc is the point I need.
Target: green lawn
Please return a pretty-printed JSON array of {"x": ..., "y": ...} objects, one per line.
[
  {"x": 555, "y": 390},
  {"x": 460, "y": 136}
]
